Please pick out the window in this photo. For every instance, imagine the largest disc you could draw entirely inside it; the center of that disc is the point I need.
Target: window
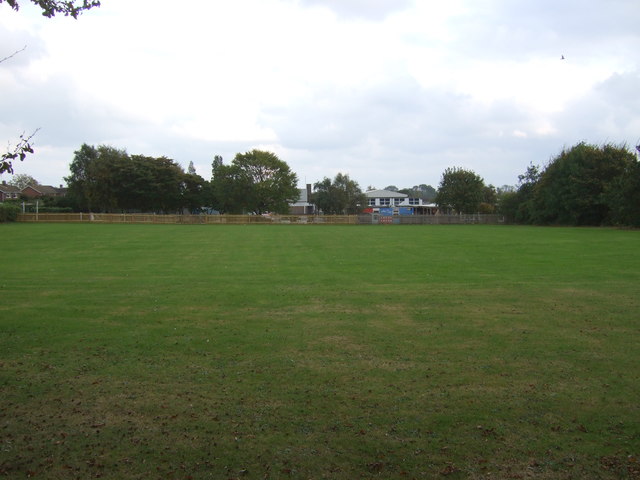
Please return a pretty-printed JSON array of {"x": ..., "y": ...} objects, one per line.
[
  {"x": 372, "y": 202},
  {"x": 397, "y": 201},
  {"x": 385, "y": 201},
  {"x": 414, "y": 201}
]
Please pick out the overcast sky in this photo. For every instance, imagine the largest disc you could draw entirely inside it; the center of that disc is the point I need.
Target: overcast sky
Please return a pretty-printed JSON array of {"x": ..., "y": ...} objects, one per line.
[{"x": 391, "y": 92}]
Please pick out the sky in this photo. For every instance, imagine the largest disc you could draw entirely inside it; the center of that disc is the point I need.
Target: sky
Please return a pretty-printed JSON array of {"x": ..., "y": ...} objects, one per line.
[{"x": 390, "y": 92}]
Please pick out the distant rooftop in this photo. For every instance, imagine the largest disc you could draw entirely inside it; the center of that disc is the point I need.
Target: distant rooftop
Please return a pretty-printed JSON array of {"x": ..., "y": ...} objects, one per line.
[{"x": 384, "y": 194}]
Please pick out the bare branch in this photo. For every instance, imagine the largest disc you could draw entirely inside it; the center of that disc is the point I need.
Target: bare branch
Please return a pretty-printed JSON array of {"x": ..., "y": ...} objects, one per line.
[{"x": 14, "y": 54}]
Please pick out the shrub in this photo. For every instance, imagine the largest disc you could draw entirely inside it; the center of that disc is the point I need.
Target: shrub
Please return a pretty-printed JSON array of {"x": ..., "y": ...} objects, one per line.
[
  {"x": 9, "y": 212},
  {"x": 55, "y": 210}
]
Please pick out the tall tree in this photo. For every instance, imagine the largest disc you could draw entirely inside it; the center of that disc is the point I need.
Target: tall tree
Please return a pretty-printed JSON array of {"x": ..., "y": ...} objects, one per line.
[
  {"x": 507, "y": 205},
  {"x": 489, "y": 200},
  {"x": 623, "y": 196},
  {"x": 461, "y": 190},
  {"x": 273, "y": 186},
  {"x": 583, "y": 185},
  {"x": 110, "y": 180},
  {"x": 217, "y": 162},
  {"x": 168, "y": 184},
  {"x": 106, "y": 178},
  {"x": 82, "y": 179},
  {"x": 326, "y": 197},
  {"x": 194, "y": 192},
  {"x": 22, "y": 180},
  {"x": 228, "y": 188},
  {"x": 340, "y": 196},
  {"x": 506, "y": 202},
  {"x": 522, "y": 206},
  {"x": 256, "y": 181},
  {"x": 572, "y": 188}
]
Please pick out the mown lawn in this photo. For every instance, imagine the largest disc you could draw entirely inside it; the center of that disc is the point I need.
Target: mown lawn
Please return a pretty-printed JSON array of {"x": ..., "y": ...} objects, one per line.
[{"x": 341, "y": 352}]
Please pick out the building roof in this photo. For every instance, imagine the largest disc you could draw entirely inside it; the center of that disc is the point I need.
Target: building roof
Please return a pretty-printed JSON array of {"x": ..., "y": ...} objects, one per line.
[
  {"x": 43, "y": 189},
  {"x": 384, "y": 194},
  {"x": 8, "y": 188},
  {"x": 46, "y": 189}
]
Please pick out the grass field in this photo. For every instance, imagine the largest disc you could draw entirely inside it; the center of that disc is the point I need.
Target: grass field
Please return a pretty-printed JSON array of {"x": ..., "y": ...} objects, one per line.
[{"x": 309, "y": 352}]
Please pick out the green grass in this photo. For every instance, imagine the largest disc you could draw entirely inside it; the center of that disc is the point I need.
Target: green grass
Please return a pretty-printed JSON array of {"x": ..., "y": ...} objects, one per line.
[{"x": 343, "y": 352}]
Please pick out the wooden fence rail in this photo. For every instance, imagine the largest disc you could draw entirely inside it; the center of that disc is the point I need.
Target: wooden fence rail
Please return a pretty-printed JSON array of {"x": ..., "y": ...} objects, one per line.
[
  {"x": 258, "y": 219},
  {"x": 185, "y": 219}
]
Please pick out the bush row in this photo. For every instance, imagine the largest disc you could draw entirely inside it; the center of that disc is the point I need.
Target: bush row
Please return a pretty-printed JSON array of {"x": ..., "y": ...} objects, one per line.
[{"x": 9, "y": 212}]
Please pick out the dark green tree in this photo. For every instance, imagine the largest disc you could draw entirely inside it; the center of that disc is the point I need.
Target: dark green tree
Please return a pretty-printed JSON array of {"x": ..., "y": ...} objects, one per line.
[
  {"x": 107, "y": 179},
  {"x": 217, "y": 161},
  {"x": 507, "y": 205},
  {"x": 572, "y": 190},
  {"x": 342, "y": 196},
  {"x": 489, "y": 200},
  {"x": 623, "y": 196},
  {"x": 82, "y": 181},
  {"x": 326, "y": 198},
  {"x": 460, "y": 189},
  {"x": 167, "y": 184},
  {"x": 255, "y": 182},
  {"x": 522, "y": 206},
  {"x": 273, "y": 186},
  {"x": 194, "y": 192},
  {"x": 228, "y": 188}
]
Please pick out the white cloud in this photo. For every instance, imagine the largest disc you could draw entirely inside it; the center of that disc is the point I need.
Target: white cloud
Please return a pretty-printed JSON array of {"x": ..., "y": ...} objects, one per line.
[
  {"x": 361, "y": 9},
  {"x": 392, "y": 92}
]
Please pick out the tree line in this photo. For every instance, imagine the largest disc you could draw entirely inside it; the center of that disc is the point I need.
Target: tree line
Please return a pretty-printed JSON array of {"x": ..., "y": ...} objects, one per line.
[
  {"x": 583, "y": 185},
  {"x": 107, "y": 179}
]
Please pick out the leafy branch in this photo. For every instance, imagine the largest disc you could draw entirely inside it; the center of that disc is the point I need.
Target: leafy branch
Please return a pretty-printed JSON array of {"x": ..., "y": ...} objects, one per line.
[
  {"x": 19, "y": 152},
  {"x": 51, "y": 7}
]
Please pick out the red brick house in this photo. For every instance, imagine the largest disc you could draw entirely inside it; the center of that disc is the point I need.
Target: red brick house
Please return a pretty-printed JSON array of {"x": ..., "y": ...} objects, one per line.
[
  {"x": 37, "y": 191},
  {"x": 8, "y": 192}
]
